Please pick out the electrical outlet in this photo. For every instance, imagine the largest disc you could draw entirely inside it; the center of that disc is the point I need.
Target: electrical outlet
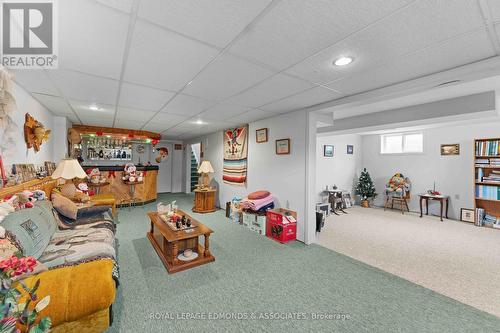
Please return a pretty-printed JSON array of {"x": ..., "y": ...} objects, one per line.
[{"x": 457, "y": 196}]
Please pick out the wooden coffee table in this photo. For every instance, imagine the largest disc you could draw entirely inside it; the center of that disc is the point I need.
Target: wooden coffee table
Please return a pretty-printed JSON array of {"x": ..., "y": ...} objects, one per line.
[{"x": 169, "y": 243}]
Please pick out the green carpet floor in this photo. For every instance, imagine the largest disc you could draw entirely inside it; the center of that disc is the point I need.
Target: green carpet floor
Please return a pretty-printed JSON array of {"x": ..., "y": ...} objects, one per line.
[{"x": 253, "y": 274}]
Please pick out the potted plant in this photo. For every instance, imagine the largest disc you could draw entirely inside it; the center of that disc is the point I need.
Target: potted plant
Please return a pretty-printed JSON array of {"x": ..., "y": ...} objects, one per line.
[{"x": 365, "y": 188}]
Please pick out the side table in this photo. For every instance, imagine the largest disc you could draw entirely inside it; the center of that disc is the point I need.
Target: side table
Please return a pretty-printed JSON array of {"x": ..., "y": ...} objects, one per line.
[{"x": 443, "y": 199}]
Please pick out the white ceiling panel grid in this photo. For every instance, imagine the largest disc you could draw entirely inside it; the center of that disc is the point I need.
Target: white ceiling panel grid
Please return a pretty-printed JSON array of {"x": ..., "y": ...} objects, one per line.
[
  {"x": 296, "y": 29},
  {"x": 214, "y": 22},
  {"x": 229, "y": 62},
  {"x": 84, "y": 87},
  {"x": 187, "y": 105},
  {"x": 423, "y": 24},
  {"x": 301, "y": 100},
  {"x": 141, "y": 97},
  {"x": 272, "y": 89},
  {"x": 95, "y": 48},
  {"x": 437, "y": 59},
  {"x": 226, "y": 76},
  {"x": 163, "y": 59},
  {"x": 222, "y": 111}
]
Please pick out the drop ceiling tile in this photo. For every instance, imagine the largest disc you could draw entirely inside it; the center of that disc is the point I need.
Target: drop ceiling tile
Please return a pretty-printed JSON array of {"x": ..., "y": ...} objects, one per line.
[
  {"x": 129, "y": 124},
  {"x": 92, "y": 38},
  {"x": 164, "y": 59},
  {"x": 105, "y": 111},
  {"x": 121, "y": 5},
  {"x": 85, "y": 87},
  {"x": 187, "y": 105},
  {"x": 251, "y": 116},
  {"x": 296, "y": 29},
  {"x": 421, "y": 25},
  {"x": 215, "y": 22},
  {"x": 226, "y": 76},
  {"x": 301, "y": 100},
  {"x": 166, "y": 120},
  {"x": 141, "y": 97},
  {"x": 92, "y": 121},
  {"x": 35, "y": 81},
  {"x": 272, "y": 89},
  {"x": 494, "y": 9},
  {"x": 455, "y": 52},
  {"x": 221, "y": 112},
  {"x": 57, "y": 105},
  {"x": 129, "y": 114}
]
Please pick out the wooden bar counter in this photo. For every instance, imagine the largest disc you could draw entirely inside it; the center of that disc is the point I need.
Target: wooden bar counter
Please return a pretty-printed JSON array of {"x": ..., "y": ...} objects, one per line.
[{"x": 145, "y": 192}]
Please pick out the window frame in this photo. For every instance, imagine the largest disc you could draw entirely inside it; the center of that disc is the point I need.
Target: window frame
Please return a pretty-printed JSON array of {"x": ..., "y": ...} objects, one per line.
[{"x": 402, "y": 134}]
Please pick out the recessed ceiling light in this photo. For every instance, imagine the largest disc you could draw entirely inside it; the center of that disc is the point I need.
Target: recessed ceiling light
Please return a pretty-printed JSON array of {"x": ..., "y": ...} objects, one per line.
[
  {"x": 94, "y": 107},
  {"x": 342, "y": 61},
  {"x": 108, "y": 136},
  {"x": 199, "y": 122}
]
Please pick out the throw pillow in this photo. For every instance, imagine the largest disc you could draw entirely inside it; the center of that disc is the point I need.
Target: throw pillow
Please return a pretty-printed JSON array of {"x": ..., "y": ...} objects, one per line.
[
  {"x": 258, "y": 195},
  {"x": 64, "y": 206},
  {"x": 30, "y": 231}
]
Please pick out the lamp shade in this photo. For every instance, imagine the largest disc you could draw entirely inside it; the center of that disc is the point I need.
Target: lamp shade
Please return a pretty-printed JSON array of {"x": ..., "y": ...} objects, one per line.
[
  {"x": 205, "y": 167},
  {"x": 69, "y": 168}
]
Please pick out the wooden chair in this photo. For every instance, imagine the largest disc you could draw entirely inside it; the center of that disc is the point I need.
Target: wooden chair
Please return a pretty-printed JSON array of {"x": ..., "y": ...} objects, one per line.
[{"x": 401, "y": 201}]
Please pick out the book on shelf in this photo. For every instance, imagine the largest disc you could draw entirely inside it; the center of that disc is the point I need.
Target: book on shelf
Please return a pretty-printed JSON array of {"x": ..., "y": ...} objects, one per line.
[
  {"x": 488, "y": 192},
  {"x": 480, "y": 175},
  {"x": 488, "y": 148}
]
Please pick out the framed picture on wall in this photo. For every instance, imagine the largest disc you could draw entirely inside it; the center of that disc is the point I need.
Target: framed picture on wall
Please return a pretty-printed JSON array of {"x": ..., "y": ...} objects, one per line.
[
  {"x": 450, "y": 149},
  {"x": 261, "y": 135},
  {"x": 328, "y": 150},
  {"x": 283, "y": 147},
  {"x": 467, "y": 215},
  {"x": 350, "y": 149}
]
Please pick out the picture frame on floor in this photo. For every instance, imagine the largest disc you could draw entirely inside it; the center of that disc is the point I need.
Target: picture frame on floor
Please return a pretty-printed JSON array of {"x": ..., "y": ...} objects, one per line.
[
  {"x": 346, "y": 198},
  {"x": 467, "y": 215},
  {"x": 328, "y": 150}
]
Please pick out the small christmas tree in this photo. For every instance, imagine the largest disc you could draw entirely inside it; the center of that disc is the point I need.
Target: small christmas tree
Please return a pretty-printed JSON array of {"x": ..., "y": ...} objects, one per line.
[{"x": 365, "y": 187}]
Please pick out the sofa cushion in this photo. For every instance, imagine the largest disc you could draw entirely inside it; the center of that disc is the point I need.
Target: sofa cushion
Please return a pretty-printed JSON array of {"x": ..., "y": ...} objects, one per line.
[
  {"x": 74, "y": 246},
  {"x": 64, "y": 206},
  {"x": 31, "y": 229}
]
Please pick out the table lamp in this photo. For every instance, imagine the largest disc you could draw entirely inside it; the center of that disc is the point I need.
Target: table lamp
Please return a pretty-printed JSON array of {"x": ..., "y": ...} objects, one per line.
[
  {"x": 205, "y": 169},
  {"x": 68, "y": 169}
]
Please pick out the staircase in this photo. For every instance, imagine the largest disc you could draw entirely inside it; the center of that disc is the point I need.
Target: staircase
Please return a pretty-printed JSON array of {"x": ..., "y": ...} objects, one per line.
[{"x": 194, "y": 172}]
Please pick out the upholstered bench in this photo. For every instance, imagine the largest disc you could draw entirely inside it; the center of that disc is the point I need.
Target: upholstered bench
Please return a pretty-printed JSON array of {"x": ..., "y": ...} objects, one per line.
[{"x": 104, "y": 200}]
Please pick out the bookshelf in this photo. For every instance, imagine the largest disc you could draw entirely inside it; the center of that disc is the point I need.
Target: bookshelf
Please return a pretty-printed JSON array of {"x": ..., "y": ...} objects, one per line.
[{"x": 487, "y": 182}]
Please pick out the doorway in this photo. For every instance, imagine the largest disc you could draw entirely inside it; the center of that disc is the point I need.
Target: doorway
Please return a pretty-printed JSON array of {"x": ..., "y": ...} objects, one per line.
[{"x": 195, "y": 160}]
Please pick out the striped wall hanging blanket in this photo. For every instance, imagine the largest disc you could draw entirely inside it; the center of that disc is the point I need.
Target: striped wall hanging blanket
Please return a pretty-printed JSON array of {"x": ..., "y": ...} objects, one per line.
[{"x": 235, "y": 156}]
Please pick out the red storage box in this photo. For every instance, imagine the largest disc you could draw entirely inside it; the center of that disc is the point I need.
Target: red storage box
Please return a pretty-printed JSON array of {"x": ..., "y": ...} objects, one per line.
[
  {"x": 279, "y": 231},
  {"x": 277, "y": 215}
]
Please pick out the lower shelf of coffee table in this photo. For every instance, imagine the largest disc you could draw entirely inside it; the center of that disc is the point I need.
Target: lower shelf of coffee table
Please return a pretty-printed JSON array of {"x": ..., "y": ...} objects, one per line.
[{"x": 180, "y": 265}]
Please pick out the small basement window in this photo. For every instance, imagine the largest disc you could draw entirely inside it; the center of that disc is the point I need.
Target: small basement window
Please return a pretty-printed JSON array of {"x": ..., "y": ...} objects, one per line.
[{"x": 402, "y": 143}]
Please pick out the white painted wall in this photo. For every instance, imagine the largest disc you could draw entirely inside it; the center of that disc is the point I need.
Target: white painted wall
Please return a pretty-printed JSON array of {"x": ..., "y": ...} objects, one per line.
[
  {"x": 27, "y": 104},
  {"x": 453, "y": 174},
  {"x": 283, "y": 175},
  {"x": 59, "y": 137},
  {"x": 342, "y": 169}
]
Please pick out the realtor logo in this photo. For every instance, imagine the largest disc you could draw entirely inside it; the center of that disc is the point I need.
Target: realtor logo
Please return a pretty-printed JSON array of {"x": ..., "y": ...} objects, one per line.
[{"x": 28, "y": 34}]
